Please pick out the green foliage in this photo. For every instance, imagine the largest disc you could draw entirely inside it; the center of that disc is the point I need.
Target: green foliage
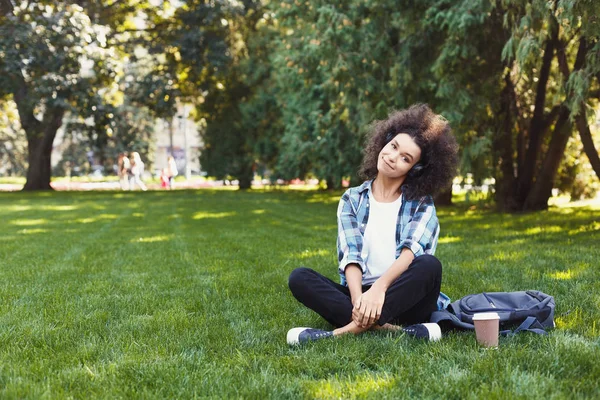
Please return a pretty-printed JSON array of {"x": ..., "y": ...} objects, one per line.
[
  {"x": 239, "y": 112},
  {"x": 13, "y": 146},
  {"x": 45, "y": 46},
  {"x": 575, "y": 175},
  {"x": 334, "y": 76},
  {"x": 162, "y": 295},
  {"x": 54, "y": 60}
]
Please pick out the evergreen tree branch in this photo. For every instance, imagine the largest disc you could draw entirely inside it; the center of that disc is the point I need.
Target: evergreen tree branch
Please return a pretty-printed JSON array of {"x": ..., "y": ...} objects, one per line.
[{"x": 581, "y": 119}]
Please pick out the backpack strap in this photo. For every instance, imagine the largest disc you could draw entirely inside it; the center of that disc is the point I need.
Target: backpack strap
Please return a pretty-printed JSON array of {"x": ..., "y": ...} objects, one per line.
[{"x": 530, "y": 324}]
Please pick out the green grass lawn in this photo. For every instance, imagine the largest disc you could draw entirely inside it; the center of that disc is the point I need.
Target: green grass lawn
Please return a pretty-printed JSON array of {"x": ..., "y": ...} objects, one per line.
[{"x": 184, "y": 294}]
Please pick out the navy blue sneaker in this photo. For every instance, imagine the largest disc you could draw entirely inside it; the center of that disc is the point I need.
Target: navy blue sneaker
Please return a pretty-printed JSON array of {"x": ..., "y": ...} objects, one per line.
[
  {"x": 429, "y": 331},
  {"x": 303, "y": 335}
]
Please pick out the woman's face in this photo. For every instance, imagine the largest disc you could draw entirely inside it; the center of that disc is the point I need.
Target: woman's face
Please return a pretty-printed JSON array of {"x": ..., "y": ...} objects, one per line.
[{"x": 398, "y": 156}]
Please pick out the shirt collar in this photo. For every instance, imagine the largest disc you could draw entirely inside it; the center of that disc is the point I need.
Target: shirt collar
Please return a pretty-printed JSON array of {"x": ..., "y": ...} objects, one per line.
[{"x": 365, "y": 186}]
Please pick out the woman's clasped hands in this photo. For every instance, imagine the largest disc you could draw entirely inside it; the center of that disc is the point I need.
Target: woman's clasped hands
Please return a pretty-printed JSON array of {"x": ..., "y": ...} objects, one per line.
[{"x": 368, "y": 306}]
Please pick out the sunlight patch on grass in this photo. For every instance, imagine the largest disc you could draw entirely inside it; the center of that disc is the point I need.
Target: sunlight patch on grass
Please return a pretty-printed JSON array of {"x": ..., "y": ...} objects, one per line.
[
  {"x": 206, "y": 215},
  {"x": 100, "y": 217},
  {"x": 360, "y": 386},
  {"x": 59, "y": 208},
  {"x": 152, "y": 239},
  {"x": 29, "y": 222},
  {"x": 324, "y": 198},
  {"x": 545, "y": 229},
  {"x": 32, "y": 231},
  {"x": 569, "y": 320},
  {"x": 18, "y": 208},
  {"x": 311, "y": 253},
  {"x": 592, "y": 227},
  {"x": 259, "y": 212},
  {"x": 506, "y": 256},
  {"x": 593, "y": 204},
  {"x": 562, "y": 275},
  {"x": 449, "y": 239}
]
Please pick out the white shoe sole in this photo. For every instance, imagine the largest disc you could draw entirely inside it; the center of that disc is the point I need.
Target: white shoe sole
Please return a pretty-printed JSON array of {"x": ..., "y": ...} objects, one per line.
[
  {"x": 293, "y": 334},
  {"x": 435, "y": 333}
]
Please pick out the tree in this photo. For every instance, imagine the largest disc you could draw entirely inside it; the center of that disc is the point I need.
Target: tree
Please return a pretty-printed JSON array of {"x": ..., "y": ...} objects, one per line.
[
  {"x": 42, "y": 49},
  {"x": 335, "y": 75},
  {"x": 236, "y": 104},
  {"x": 567, "y": 36},
  {"x": 515, "y": 72},
  {"x": 59, "y": 57}
]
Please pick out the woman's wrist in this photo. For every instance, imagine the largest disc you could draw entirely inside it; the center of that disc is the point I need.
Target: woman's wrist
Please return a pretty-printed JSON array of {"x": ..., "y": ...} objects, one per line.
[{"x": 380, "y": 285}]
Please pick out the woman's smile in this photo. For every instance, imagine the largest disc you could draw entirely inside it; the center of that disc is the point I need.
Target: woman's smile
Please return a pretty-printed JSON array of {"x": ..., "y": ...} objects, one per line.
[{"x": 398, "y": 156}]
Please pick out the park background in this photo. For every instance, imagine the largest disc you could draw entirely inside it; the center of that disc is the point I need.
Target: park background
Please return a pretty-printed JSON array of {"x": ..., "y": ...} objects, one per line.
[{"x": 183, "y": 293}]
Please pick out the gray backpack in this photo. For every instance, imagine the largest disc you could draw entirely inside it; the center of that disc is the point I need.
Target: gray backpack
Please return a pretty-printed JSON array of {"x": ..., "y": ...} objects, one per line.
[{"x": 529, "y": 311}]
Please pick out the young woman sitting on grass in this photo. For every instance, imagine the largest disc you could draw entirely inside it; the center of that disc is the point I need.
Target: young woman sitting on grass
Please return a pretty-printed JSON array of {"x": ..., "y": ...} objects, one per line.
[{"x": 387, "y": 234}]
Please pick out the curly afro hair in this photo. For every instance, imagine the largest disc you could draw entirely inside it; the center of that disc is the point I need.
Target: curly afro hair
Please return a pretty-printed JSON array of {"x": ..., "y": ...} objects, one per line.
[{"x": 432, "y": 133}]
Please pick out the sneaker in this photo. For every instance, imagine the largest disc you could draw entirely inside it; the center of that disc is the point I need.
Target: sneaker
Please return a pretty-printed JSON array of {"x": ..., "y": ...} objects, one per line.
[
  {"x": 429, "y": 331},
  {"x": 303, "y": 335}
]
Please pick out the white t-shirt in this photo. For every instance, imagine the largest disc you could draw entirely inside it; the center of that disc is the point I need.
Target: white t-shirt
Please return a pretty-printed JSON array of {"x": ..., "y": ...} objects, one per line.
[{"x": 379, "y": 244}]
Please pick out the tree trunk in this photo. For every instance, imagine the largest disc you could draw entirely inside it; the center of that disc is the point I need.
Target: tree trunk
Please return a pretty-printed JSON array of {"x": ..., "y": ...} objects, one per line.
[
  {"x": 6, "y": 7},
  {"x": 38, "y": 173},
  {"x": 331, "y": 183},
  {"x": 245, "y": 183},
  {"x": 39, "y": 147},
  {"x": 246, "y": 175},
  {"x": 538, "y": 196},
  {"x": 503, "y": 150},
  {"x": 537, "y": 125},
  {"x": 588, "y": 142}
]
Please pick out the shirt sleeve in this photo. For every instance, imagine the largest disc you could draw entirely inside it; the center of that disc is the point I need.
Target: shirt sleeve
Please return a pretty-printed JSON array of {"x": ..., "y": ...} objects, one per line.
[
  {"x": 421, "y": 233},
  {"x": 350, "y": 238}
]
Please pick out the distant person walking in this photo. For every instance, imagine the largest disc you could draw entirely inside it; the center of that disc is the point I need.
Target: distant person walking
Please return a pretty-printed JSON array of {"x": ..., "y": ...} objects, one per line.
[
  {"x": 164, "y": 178},
  {"x": 171, "y": 171},
  {"x": 123, "y": 171},
  {"x": 137, "y": 170}
]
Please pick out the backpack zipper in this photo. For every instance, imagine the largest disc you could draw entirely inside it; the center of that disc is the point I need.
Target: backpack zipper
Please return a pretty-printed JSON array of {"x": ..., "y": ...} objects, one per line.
[{"x": 489, "y": 300}]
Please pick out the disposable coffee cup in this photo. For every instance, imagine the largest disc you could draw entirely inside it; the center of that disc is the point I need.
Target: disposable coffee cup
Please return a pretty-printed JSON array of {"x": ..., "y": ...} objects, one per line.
[{"x": 486, "y": 328}]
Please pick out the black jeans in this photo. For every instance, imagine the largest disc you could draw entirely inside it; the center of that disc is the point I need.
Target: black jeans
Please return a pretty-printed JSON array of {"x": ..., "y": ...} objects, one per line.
[{"x": 409, "y": 300}]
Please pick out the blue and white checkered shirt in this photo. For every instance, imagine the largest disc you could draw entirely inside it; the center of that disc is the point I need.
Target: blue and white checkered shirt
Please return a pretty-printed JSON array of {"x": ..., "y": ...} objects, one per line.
[{"x": 417, "y": 228}]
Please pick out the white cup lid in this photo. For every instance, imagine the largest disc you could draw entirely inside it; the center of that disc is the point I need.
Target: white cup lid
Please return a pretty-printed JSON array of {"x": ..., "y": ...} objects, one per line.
[{"x": 485, "y": 316}]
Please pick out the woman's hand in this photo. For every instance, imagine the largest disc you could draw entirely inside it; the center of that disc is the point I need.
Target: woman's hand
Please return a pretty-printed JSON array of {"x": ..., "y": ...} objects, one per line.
[{"x": 367, "y": 308}]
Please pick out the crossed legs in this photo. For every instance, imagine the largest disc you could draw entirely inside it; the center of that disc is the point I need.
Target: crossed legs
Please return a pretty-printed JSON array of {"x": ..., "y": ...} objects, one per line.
[{"x": 410, "y": 300}]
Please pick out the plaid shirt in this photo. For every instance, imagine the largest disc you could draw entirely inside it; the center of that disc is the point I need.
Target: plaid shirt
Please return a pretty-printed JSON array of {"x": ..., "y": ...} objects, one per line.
[{"x": 417, "y": 227}]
